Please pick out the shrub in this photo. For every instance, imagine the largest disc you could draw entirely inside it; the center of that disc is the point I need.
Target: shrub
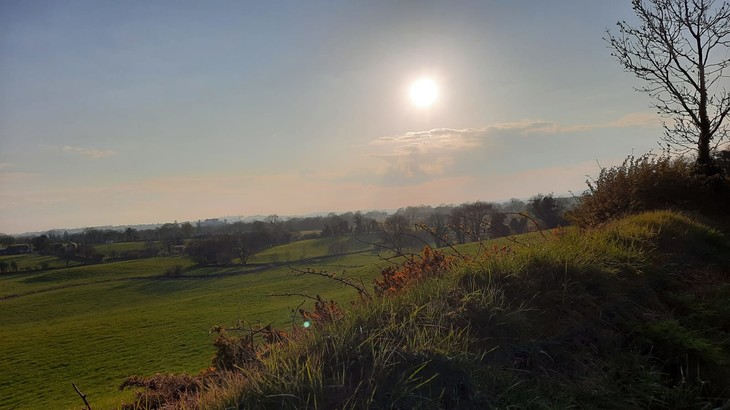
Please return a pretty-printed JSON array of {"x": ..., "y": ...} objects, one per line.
[
  {"x": 150, "y": 250},
  {"x": 650, "y": 182},
  {"x": 430, "y": 263},
  {"x": 174, "y": 271},
  {"x": 162, "y": 390}
]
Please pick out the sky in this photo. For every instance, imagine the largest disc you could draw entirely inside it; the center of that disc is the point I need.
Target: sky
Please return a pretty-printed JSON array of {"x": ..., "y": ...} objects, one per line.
[{"x": 115, "y": 113}]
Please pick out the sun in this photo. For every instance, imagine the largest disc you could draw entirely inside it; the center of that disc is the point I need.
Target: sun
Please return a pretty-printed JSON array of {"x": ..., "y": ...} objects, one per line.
[{"x": 424, "y": 92}]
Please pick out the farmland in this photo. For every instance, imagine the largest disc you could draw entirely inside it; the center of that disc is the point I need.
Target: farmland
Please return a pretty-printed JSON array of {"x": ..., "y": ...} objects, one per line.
[{"x": 95, "y": 325}]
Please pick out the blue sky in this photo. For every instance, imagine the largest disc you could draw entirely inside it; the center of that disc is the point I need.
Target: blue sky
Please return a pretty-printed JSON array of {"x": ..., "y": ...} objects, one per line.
[{"x": 153, "y": 111}]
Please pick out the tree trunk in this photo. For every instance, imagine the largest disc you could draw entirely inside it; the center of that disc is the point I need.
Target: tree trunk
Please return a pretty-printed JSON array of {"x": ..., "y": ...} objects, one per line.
[{"x": 704, "y": 159}]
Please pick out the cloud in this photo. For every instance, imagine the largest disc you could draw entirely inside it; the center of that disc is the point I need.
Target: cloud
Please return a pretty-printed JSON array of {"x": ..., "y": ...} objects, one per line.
[
  {"x": 433, "y": 140},
  {"x": 416, "y": 157},
  {"x": 646, "y": 119},
  {"x": 7, "y": 178},
  {"x": 88, "y": 152},
  {"x": 92, "y": 153}
]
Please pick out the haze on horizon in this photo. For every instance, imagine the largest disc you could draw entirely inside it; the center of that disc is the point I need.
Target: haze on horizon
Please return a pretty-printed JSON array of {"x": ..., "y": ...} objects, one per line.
[{"x": 116, "y": 113}]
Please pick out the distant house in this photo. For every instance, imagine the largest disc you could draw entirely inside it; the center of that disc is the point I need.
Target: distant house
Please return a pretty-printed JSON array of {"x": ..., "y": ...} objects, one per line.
[
  {"x": 69, "y": 248},
  {"x": 178, "y": 249},
  {"x": 16, "y": 249}
]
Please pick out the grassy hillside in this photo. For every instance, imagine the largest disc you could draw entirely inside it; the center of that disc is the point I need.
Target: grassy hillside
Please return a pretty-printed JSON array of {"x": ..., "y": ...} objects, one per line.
[
  {"x": 314, "y": 248},
  {"x": 630, "y": 315}
]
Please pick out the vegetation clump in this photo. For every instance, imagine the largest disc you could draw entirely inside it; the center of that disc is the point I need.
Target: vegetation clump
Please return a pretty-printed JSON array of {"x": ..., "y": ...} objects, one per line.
[{"x": 651, "y": 182}]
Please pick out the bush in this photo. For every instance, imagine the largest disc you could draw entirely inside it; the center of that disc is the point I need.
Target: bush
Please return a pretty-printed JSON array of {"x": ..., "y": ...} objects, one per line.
[
  {"x": 150, "y": 250},
  {"x": 650, "y": 182},
  {"x": 174, "y": 271}
]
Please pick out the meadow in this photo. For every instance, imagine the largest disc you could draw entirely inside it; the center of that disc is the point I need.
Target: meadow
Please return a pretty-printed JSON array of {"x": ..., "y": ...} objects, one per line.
[{"x": 95, "y": 325}]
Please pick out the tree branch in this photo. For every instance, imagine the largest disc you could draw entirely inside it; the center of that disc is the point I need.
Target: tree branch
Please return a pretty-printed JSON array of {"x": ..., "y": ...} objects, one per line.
[{"x": 82, "y": 395}]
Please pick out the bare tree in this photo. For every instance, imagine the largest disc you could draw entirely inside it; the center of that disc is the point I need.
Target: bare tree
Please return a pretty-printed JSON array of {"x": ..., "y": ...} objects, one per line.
[
  {"x": 476, "y": 216},
  {"x": 680, "y": 50},
  {"x": 395, "y": 231}
]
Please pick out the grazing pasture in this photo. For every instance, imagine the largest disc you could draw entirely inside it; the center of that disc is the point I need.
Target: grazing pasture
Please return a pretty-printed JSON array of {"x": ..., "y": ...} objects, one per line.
[{"x": 94, "y": 325}]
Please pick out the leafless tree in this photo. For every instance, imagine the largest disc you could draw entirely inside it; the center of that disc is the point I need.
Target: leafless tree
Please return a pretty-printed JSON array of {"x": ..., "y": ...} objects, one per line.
[{"x": 680, "y": 50}]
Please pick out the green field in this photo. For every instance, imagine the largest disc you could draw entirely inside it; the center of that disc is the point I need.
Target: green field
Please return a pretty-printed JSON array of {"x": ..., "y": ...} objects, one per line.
[
  {"x": 314, "y": 248},
  {"x": 31, "y": 262},
  {"x": 94, "y": 325},
  {"x": 118, "y": 248}
]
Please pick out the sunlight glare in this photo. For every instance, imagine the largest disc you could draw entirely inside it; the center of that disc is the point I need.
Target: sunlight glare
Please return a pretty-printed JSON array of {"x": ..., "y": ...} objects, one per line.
[{"x": 424, "y": 92}]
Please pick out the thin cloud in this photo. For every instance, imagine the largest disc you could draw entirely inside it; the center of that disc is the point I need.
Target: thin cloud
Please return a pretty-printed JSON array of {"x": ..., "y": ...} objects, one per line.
[
  {"x": 89, "y": 152},
  {"x": 419, "y": 156},
  {"x": 432, "y": 140},
  {"x": 8, "y": 177},
  {"x": 416, "y": 157},
  {"x": 645, "y": 119}
]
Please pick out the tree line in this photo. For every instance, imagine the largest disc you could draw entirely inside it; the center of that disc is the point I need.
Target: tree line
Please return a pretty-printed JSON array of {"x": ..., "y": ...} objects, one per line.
[{"x": 222, "y": 243}]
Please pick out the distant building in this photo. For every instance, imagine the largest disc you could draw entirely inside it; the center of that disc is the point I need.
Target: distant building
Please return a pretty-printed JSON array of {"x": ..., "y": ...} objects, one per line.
[
  {"x": 16, "y": 249},
  {"x": 64, "y": 248}
]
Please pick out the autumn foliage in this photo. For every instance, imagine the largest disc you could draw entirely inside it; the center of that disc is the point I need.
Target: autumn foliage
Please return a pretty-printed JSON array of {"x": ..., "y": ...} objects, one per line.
[
  {"x": 430, "y": 263},
  {"x": 324, "y": 311}
]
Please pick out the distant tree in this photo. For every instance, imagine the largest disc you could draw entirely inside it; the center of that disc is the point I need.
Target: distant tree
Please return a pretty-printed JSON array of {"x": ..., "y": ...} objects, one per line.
[
  {"x": 14, "y": 266},
  {"x": 67, "y": 252},
  {"x": 7, "y": 240},
  {"x": 3, "y": 267},
  {"x": 89, "y": 254},
  {"x": 438, "y": 228},
  {"x": 681, "y": 49},
  {"x": 514, "y": 205},
  {"x": 476, "y": 219},
  {"x": 335, "y": 225},
  {"x": 359, "y": 223},
  {"x": 41, "y": 244},
  {"x": 170, "y": 234},
  {"x": 371, "y": 225},
  {"x": 91, "y": 235},
  {"x": 498, "y": 225},
  {"x": 547, "y": 210},
  {"x": 395, "y": 231},
  {"x": 131, "y": 235},
  {"x": 246, "y": 246},
  {"x": 457, "y": 223},
  {"x": 187, "y": 230},
  {"x": 150, "y": 250},
  {"x": 518, "y": 224}
]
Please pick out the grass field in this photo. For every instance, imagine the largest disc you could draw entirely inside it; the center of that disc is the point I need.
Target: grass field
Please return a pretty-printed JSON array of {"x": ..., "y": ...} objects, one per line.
[
  {"x": 118, "y": 248},
  {"x": 34, "y": 261},
  {"x": 95, "y": 325},
  {"x": 314, "y": 248}
]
